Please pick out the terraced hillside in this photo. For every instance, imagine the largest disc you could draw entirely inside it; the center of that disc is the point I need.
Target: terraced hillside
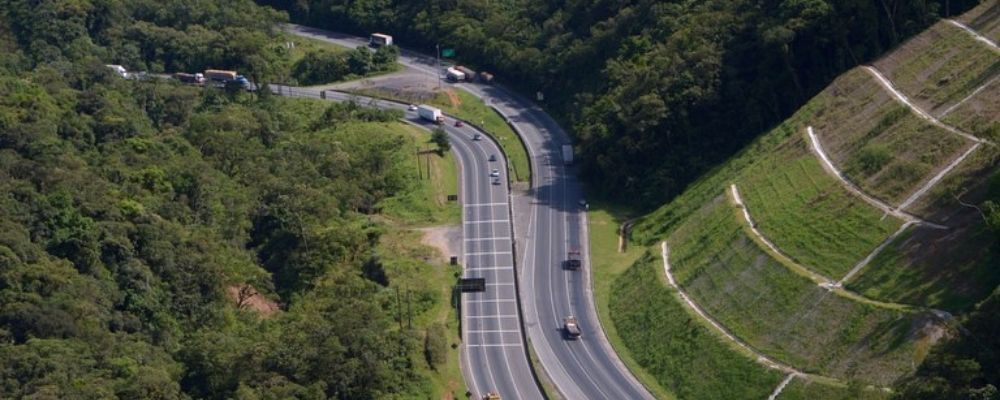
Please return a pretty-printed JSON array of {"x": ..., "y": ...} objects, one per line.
[{"x": 836, "y": 248}]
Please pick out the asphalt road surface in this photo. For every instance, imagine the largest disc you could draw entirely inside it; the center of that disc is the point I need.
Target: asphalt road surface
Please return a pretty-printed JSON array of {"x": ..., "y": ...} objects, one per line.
[{"x": 549, "y": 220}]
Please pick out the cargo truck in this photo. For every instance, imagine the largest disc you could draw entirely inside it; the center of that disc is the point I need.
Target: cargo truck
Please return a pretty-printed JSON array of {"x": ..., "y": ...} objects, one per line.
[
  {"x": 470, "y": 75},
  {"x": 571, "y": 327},
  {"x": 430, "y": 113},
  {"x": 567, "y": 154},
  {"x": 196, "y": 79},
  {"x": 379, "y": 40},
  {"x": 225, "y": 77},
  {"x": 454, "y": 75}
]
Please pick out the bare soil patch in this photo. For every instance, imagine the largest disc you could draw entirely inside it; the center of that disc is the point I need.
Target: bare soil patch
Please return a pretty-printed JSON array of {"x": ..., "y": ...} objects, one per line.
[
  {"x": 246, "y": 297},
  {"x": 446, "y": 239}
]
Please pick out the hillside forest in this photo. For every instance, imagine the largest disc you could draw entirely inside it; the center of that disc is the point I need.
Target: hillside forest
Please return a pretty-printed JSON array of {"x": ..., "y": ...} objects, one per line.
[
  {"x": 160, "y": 241},
  {"x": 656, "y": 92}
]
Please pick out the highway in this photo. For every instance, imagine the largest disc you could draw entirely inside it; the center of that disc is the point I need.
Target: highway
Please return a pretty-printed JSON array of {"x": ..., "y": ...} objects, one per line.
[{"x": 548, "y": 221}]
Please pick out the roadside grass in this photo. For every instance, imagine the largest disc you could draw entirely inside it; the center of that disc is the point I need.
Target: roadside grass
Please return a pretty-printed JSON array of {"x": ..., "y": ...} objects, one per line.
[
  {"x": 953, "y": 275},
  {"x": 607, "y": 264},
  {"x": 304, "y": 45},
  {"x": 424, "y": 287},
  {"x": 434, "y": 177},
  {"x": 969, "y": 182},
  {"x": 985, "y": 19},
  {"x": 940, "y": 66},
  {"x": 808, "y": 214},
  {"x": 800, "y": 389},
  {"x": 474, "y": 110},
  {"x": 980, "y": 114},
  {"x": 785, "y": 315},
  {"x": 681, "y": 353}
]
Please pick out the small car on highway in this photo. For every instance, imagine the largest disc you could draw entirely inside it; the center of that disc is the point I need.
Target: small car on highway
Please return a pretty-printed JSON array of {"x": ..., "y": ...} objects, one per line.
[
  {"x": 496, "y": 181},
  {"x": 476, "y": 137},
  {"x": 459, "y": 123},
  {"x": 495, "y": 173},
  {"x": 412, "y": 107},
  {"x": 493, "y": 157}
]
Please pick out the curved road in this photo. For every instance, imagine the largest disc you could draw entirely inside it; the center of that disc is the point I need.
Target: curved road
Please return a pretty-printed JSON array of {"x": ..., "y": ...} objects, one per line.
[{"x": 549, "y": 220}]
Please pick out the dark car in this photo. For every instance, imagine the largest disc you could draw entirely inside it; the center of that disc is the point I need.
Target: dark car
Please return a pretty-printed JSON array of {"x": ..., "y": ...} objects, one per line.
[{"x": 459, "y": 123}]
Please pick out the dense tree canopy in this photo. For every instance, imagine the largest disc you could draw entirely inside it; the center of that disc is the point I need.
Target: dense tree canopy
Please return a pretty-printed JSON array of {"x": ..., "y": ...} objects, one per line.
[
  {"x": 132, "y": 211},
  {"x": 656, "y": 91}
]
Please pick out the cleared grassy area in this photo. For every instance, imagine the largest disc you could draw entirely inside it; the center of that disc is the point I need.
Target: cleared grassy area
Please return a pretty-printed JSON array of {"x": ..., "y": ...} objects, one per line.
[
  {"x": 940, "y": 66},
  {"x": 470, "y": 108},
  {"x": 607, "y": 264},
  {"x": 304, "y": 45},
  {"x": 681, "y": 353},
  {"x": 980, "y": 114},
  {"x": 435, "y": 176},
  {"x": 985, "y": 19},
  {"x": 953, "y": 274},
  {"x": 785, "y": 315},
  {"x": 799, "y": 389},
  {"x": 426, "y": 286},
  {"x": 808, "y": 214},
  {"x": 968, "y": 181}
]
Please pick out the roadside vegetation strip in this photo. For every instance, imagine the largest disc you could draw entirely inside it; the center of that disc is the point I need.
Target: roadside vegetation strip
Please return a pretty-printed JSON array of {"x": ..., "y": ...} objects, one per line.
[
  {"x": 760, "y": 357},
  {"x": 829, "y": 167},
  {"x": 902, "y": 98},
  {"x": 734, "y": 195},
  {"x": 975, "y": 34}
]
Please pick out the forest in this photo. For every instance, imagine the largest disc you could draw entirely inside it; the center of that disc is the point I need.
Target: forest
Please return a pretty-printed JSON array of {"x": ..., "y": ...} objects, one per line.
[
  {"x": 139, "y": 219},
  {"x": 656, "y": 92}
]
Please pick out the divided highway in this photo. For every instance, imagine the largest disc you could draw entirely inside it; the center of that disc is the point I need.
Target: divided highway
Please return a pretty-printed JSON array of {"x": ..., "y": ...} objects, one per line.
[{"x": 549, "y": 220}]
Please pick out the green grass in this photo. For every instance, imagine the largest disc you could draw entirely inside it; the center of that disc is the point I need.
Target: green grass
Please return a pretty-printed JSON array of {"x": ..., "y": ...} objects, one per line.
[
  {"x": 954, "y": 275},
  {"x": 808, "y": 214},
  {"x": 940, "y": 66},
  {"x": 429, "y": 285},
  {"x": 799, "y": 389},
  {"x": 304, "y": 45},
  {"x": 682, "y": 354},
  {"x": 472, "y": 109},
  {"x": 782, "y": 314},
  {"x": 427, "y": 202},
  {"x": 607, "y": 264}
]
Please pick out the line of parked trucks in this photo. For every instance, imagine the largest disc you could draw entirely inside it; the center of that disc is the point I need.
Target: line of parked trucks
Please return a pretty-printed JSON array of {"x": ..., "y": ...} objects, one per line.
[{"x": 213, "y": 76}]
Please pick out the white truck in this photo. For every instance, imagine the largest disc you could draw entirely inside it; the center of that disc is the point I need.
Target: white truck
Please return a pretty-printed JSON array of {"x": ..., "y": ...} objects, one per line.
[
  {"x": 567, "y": 154},
  {"x": 379, "y": 40},
  {"x": 430, "y": 113},
  {"x": 454, "y": 74}
]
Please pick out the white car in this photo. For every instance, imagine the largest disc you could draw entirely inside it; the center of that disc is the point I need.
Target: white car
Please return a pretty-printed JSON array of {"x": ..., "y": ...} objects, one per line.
[
  {"x": 412, "y": 107},
  {"x": 476, "y": 137},
  {"x": 495, "y": 173}
]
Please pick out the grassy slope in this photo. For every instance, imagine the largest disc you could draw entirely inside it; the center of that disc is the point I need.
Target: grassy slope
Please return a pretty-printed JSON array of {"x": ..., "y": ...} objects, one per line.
[
  {"x": 472, "y": 109},
  {"x": 940, "y": 66},
  {"x": 799, "y": 389},
  {"x": 985, "y": 19},
  {"x": 606, "y": 265},
  {"x": 681, "y": 353},
  {"x": 808, "y": 214},
  {"x": 304, "y": 45},
  {"x": 974, "y": 115},
  {"x": 427, "y": 203},
  {"x": 782, "y": 314}
]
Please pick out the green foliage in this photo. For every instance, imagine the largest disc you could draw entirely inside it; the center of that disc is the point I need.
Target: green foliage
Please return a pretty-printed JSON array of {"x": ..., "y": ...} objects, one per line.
[
  {"x": 647, "y": 84},
  {"x": 678, "y": 350},
  {"x": 440, "y": 138},
  {"x": 435, "y": 345},
  {"x": 324, "y": 66}
]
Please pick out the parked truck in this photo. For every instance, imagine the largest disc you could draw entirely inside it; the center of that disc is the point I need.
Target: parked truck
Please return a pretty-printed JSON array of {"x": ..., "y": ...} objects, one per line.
[
  {"x": 567, "y": 154},
  {"x": 225, "y": 77},
  {"x": 470, "y": 75},
  {"x": 379, "y": 40},
  {"x": 571, "y": 327},
  {"x": 196, "y": 79},
  {"x": 430, "y": 113},
  {"x": 486, "y": 77},
  {"x": 454, "y": 74}
]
